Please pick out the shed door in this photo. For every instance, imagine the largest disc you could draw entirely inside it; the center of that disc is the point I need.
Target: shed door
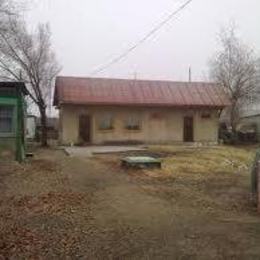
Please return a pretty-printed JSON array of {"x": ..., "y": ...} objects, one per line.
[
  {"x": 84, "y": 128},
  {"x": 188, "y": 129}
]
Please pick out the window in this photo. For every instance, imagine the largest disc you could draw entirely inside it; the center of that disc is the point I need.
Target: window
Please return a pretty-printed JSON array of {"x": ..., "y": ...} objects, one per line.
[
  {"x": 106, "y": 122},
  {"x": 133, "y": 122},
  {"x": 6, "y": 119}
]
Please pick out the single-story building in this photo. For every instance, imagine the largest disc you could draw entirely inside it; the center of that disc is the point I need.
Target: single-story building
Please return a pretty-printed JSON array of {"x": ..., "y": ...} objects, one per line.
[
  {"x": 99, "y": 111},
  {"x": 252, "y": 120},
  {"x": 12, "y": 119}
]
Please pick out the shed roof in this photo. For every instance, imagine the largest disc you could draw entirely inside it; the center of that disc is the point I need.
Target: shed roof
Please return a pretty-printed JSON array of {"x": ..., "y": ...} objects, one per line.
[
  {"x": 5, "y": 86},
  {"x": 105, "y": 91}
]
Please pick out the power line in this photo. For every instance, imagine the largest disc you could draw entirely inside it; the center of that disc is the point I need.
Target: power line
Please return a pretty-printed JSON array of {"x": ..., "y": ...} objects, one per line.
[{"x": 141, "y": 41}]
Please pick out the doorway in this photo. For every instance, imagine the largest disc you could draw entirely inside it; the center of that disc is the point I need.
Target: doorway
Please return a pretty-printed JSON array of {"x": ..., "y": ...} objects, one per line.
[
  {"x": 85, "y": 128},
  {"x": 188, "y": 129}
]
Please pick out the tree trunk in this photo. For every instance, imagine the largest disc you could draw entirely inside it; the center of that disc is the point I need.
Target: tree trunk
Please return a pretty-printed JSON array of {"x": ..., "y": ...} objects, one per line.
[
  {"x": 233, "y": 116},
  {"x": 44, "y": 139}
]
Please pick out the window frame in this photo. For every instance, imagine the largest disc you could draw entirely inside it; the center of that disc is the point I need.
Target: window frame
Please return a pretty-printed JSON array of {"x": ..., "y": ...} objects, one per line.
[
  {"x": 133, "y": 127},
  {"x": 13, "y": 119},
  {"x": 101, "y": 120}
]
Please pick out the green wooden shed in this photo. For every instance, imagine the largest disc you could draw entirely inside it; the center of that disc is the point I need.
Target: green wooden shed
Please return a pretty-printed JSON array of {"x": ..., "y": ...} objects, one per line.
[{"x": 12, "y": 119}]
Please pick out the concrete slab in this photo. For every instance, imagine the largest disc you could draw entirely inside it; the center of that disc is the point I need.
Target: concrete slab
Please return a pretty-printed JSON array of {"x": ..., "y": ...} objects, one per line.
[
  {"x": 88, "y": 151},
  {"x": 141, "y": 162}
]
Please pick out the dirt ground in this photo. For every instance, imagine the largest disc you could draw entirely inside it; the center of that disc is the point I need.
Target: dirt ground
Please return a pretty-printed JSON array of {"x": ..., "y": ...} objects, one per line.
[{"x": 198, "y": 206}]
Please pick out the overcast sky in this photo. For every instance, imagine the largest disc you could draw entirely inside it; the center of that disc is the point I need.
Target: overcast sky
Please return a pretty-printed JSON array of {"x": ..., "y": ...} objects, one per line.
[{"x": 88, "y": 34}]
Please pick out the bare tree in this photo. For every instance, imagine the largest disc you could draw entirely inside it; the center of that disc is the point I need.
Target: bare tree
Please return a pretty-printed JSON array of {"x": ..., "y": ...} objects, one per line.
[
  {"x": 5, "y": 7},
  {"x": 6, "y": 10},
  {"x": 12, "y": 7},
  {"x": 28, "y": 57},
  {"x": 235, "y": 68}
]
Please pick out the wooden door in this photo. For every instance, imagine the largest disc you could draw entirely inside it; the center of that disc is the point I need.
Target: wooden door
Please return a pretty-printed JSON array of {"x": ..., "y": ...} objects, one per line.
[
  {"x": 85, "y": 128},
  {"x": 188, "y": 129}
]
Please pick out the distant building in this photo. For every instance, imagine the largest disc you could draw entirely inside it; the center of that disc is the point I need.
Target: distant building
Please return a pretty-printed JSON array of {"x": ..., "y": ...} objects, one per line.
[
  {"x": 52, "y": 127},
  {"x": 252, "y": 119},
  {"x": 12, "y": 119},
  {"x": 250, "y": 116},
  {"x": 31, "y": 127},
  {"x": 100, "y": 111}
]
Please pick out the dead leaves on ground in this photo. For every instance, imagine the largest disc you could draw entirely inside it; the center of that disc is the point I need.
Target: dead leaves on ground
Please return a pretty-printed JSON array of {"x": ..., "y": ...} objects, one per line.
[
  {"x": 50, "y": 203},
  {"x": 17, "y": 239}
]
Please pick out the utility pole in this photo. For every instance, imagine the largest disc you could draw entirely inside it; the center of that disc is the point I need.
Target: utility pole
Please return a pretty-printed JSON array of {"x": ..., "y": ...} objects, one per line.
[
  {"x": 189, "y": 74},
  {"x": 135, "y": 75}
]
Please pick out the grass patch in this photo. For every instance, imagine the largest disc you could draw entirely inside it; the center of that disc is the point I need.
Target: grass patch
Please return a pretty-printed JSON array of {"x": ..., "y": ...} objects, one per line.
[
  {"x": 212, "y": 179},
  {"x": 200, "y": 163}
]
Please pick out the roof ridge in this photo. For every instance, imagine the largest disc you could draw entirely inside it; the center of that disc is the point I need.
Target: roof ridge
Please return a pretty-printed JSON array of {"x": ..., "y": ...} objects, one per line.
[{"x": 139, "y": 80}]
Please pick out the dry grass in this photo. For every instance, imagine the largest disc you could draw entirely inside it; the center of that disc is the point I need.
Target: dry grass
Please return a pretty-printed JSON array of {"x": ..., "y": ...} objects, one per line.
[
  {"x": 203, "y": 163},
  {"x": 212, "y": 179}
]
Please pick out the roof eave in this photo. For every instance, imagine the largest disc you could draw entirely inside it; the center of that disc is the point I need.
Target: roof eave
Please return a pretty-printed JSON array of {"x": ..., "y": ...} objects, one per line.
[{"x": 58, "y": 104}]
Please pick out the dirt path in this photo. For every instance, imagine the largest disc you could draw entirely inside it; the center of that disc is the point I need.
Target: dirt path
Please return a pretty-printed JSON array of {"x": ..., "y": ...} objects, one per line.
[
  {"x": 127, "y": 215},
  {"x": 58, "y": 207}
]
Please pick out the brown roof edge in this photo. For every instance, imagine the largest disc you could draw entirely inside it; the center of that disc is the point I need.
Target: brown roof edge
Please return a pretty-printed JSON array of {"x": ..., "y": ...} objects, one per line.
[
  {"x": 140, "y": 80},
  {"x": 141, "y": 105},
  {"x": 125, "y": 92}
]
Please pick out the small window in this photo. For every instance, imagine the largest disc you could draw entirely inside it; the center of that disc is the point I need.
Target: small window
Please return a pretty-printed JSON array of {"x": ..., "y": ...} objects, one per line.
[
  {"x": 133, "y": 123},
  {"x": 6, "y": 119},
  {"x": 106, "y": 122}
]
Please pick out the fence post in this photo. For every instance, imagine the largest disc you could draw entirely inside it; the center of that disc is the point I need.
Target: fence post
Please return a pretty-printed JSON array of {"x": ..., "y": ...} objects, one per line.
[
  {"x": 254, "y": 172},
  {"x": 258, "y": 186}
]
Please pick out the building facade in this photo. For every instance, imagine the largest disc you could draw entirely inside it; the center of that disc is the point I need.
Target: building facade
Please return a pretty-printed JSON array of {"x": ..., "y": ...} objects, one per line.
[
  {"x": 12, "y": 119},
  {"x": 106, "y": 111}
]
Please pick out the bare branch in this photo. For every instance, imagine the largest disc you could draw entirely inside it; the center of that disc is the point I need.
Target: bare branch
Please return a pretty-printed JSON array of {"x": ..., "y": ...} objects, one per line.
[
  {"x": 28, "y": 57},
  {"x": 235, "y": 67}
]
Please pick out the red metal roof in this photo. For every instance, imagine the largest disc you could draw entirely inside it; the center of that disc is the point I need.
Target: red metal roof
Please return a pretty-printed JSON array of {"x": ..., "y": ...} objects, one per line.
[{"x": 104, "y": 91}]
